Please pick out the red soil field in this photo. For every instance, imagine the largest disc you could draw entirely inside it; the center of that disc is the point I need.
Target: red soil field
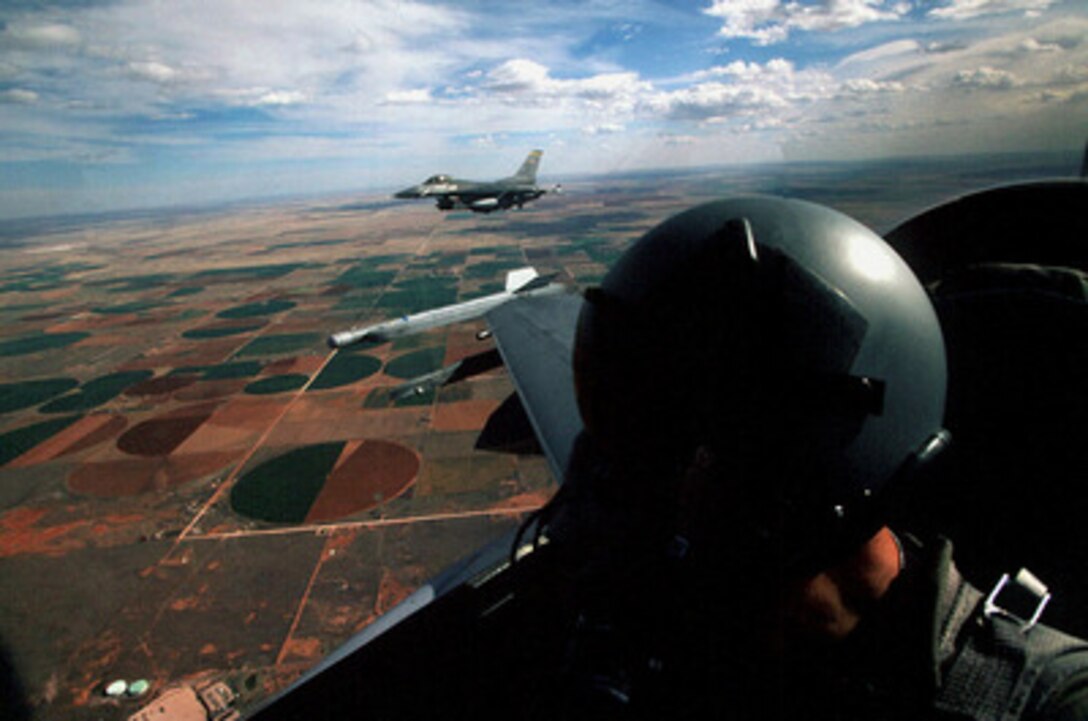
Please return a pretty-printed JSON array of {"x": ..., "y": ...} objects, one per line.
[
  {"x": 470, "y": 415},
  {"x": 368, "y": 473},
  {"x": 159, "y": 436},
  {"x": 160, "y": 386},
  {"x": 130, "y": 477},
  {"x": 112, "y": 479},
  {"x": 210, "y": 390},
  {"x": 197, "y": 353},
  {"x": 250, "y": 412},
  {"x": 84, "y": 433}
]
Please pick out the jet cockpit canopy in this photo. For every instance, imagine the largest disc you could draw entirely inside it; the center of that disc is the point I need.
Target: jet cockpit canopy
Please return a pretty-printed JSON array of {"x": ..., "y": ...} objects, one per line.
[{"x": 436, "y": 179}]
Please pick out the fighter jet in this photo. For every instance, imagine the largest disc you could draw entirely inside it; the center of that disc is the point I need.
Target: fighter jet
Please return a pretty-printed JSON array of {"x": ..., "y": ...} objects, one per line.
[{"x": 482, "y": 196}]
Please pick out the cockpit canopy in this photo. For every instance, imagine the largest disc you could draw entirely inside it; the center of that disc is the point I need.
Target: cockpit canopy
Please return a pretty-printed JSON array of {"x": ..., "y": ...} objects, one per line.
[{"x": 436, "y": 179}]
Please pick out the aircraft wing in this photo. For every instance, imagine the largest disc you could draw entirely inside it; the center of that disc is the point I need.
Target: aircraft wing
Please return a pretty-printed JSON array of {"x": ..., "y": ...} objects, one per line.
[{"x": 536, "y": 339}]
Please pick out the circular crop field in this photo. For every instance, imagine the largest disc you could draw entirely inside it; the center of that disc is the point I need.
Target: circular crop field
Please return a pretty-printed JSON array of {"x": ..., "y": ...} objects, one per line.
[
  {"x": 16, "y": 396},
  {"x": 160, "y": 386},
  {"x": 345, "y": 369},
  {"x": 95, "y": 392},
  {"x": 221, "y": 330},
  {"x": 39, "y": 342},
  {"x": 280, "y": 344},
  {"x": 160, "y": 436},
  {"x": 276, "y": 384},
  {"x": 325, "y": 481},
  {"x": 416, "y": 363},
  {"x": 250, "y": 310}
]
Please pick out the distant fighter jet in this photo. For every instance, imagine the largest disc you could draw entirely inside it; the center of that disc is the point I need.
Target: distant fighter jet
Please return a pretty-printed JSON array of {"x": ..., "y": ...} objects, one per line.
[{"x": 482, "y": 196}]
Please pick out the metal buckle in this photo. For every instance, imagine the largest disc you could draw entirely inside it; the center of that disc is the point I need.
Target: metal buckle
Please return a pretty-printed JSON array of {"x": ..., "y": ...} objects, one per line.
[{"x": 1024, "y": 592}]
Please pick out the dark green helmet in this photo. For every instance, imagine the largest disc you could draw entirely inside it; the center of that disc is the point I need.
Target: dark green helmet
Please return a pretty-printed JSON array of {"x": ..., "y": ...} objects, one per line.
[{"x": 785, "y": 338}]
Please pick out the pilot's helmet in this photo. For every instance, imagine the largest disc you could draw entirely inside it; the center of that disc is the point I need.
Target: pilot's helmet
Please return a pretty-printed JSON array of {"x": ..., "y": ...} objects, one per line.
[{"x": 782, "y": 339}]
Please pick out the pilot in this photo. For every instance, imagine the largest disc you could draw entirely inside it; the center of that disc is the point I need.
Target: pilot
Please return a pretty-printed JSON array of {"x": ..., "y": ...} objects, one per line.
[{"x": 763, "y": 383}]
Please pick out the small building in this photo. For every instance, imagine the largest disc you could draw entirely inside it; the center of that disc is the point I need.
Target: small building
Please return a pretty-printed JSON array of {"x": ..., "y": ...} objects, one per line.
[
  {"x": 214, "y": 702},
  {"x": 175, "y": 704}
]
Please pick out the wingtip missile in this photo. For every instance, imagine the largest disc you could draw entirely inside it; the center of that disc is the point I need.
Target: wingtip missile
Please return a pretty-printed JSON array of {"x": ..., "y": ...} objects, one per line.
[{"x": 352, "y": 336}]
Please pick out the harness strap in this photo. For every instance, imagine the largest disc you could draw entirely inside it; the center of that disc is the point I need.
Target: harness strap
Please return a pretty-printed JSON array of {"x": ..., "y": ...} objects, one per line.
[{"x": 992, "y": 659}]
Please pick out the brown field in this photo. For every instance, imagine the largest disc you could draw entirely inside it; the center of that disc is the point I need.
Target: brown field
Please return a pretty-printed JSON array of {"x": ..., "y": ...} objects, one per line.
[{"x": 122, "y": 520}]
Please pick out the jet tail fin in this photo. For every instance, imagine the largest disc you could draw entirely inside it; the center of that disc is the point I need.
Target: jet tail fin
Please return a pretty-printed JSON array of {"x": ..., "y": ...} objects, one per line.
[{"x": 527, "y": 172}]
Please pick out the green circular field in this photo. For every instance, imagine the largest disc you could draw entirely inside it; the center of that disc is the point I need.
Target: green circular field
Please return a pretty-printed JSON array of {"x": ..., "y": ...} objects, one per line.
[
  {"x": 186, "y": 290},
  {"x": 282, "y": 489},
  {"x": 95, "y": 392},
  {"x": 411, "y": 365},
  {"x": 15, "y": 443},
  {"x": 250, "y": 310},
  {"x": 16, "y": 396},
  {"x": 220, "y": 331},
  {"x": 280, "y": 344},
  {"x": 276, "y": 384},
  {"x": 325, "y": 482},
  {"x": 345, "y": 369},
  {"x": 39, "y": 342}
]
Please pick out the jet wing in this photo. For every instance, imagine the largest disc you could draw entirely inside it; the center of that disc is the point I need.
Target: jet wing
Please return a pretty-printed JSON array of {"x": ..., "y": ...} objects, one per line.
[{"x": 536, "y": 340}]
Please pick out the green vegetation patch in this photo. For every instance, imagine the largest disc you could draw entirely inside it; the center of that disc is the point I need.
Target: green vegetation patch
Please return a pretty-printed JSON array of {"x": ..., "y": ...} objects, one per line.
[
  {"x": 39, "y": 342},
  {"x": 357, "y": 301},
  {"x": 138, "y": 282},
  {"x": 43, "y": 278},
  {"x": 344, "y": 369},
  {"x": 282, "y": 489},
  {"x": 186, "y": 290},
  {"x": 95, "y": 392},
  {"x": 366, "y": 276},
  {"x": 492, "y": 268},
  {"x": 441, "y": 260},
  {"x": 416, "y": 363},
  {"x": 396, "y": 259},
  {"x": 227, "y": 371},
  {"x": 31, "y": 286},
  {"x": 15, "y": 396},
  {"x": 307, "y": 243},
  {"x": 253, "y": 272},
  {"x": 277, "y": 384},
  {"x": 250, "y": 310},
  {"x": 485, "y": 289},
  {"x": 15, "y": 443},
  {"x": 220, "y": 331},
  {"x": 279, "y": 344},
  {"x": 419, "y": 294}
]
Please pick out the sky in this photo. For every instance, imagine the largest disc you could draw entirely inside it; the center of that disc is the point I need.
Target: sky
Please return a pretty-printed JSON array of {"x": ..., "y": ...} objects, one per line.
[{"x": 120, "y": 104}]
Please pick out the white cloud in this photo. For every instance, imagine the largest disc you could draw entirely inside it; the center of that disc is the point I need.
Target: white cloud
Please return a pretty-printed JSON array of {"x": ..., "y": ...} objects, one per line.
[
  {"x": 742, "y": 89},
  {"x": 882, "y": 53},
  {"x": 521, "y": 81},
  {"x": 865, "y": 87},
  {"x": 1031, "y": 45},
  {"x": 152, "y": 71},
  {"x": 281, "y": 97},
  {"x": 419, "y": 96},
  {"x": 968, "y": 9},
  {"x": 766, "y": 22},
  {"x": 40, "y": 35},
  {"x": 19, "y": 96},
  {"x": 603, "y": 129}
]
